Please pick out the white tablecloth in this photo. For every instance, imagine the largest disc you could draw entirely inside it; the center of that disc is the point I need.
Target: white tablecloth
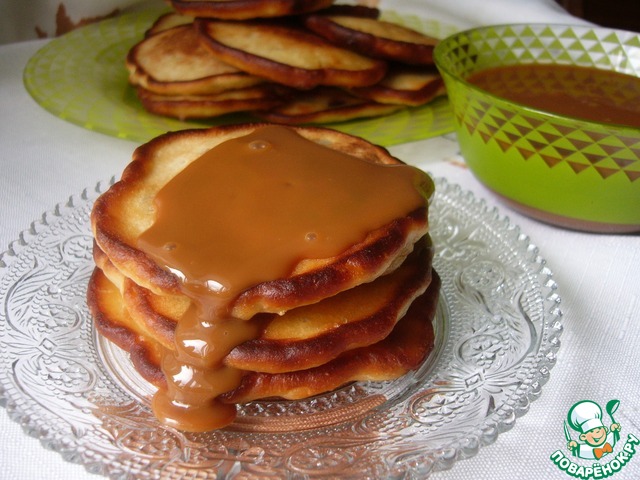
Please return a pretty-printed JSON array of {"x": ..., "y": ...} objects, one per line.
[{"x": 44, "y": 160}]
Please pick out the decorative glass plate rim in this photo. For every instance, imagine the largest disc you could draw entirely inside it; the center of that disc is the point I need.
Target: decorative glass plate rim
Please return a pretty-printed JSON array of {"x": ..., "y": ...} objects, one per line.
[
  {"x": 81, "y": 78},
  {"x": 422, "y": 458}
]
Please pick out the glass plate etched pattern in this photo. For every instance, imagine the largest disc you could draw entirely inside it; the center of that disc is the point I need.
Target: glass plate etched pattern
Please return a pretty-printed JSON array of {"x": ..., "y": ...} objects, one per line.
[{"x": 497, "y": 334}]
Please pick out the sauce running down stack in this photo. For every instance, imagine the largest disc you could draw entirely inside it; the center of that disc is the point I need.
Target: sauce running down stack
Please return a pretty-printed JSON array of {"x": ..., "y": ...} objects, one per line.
[
  {"x": 259, "y": 261},
  {"x": 292, "y": 62}
]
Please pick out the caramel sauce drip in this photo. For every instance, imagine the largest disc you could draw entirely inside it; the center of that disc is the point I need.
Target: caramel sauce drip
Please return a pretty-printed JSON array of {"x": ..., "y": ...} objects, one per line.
[{"x": 246, "y": 212}]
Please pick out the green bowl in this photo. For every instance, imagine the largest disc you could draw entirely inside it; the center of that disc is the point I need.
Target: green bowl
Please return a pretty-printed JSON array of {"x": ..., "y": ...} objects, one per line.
[{"x": 565, "y": 171}]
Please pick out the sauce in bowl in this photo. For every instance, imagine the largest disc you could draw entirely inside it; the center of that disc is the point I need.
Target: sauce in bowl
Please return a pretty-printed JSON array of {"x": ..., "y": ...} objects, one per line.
[{"x": 580, "y": 92}]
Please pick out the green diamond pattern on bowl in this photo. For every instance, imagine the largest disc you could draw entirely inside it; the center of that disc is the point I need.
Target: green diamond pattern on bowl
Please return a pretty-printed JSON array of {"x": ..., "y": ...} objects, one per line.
[
  {"x": 580, "y": 148},
  {"x": 510, "y": 44},
  {"x": 568, "y": 171}
]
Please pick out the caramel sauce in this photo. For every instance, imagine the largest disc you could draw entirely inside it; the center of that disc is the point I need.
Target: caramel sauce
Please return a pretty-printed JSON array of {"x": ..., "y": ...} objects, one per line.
[
  {"x": 580, "y": 92},
  {"x": 245, "y": 212}
]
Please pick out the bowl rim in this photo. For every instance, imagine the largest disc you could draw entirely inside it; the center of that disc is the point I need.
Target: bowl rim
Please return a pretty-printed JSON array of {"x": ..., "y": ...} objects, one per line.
[{"x": 438, "y": 55}]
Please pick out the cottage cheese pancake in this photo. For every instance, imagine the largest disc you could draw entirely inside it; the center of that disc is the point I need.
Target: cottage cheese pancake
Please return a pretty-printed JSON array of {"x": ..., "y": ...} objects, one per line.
[
  {"x": 301, "y": 338},
  {"x": 401, "y": 351},
  {"x": 248, "y": 220},
  {"x": 374, "y": 37},
  {"x": 176, "y": 62},
  {"x": 288, "y": 54},
  {"x": 247, "y": 9},
  {"x": 123, "y": 213},
  {"x": 322, "y": 62}
]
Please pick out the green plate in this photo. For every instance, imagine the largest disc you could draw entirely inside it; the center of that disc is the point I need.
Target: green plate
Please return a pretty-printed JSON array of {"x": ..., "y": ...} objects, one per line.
[{"x": 81, "y": 78}]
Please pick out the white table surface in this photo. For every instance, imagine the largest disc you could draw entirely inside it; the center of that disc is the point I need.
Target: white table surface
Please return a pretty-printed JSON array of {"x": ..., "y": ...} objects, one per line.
[{"x": 44, "y": 160}]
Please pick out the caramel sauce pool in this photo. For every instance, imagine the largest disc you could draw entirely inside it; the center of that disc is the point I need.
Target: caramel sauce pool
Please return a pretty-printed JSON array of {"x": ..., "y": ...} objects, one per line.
[
  {"x": 245, "y": 212},
  {"x": 580, "y": 92}
]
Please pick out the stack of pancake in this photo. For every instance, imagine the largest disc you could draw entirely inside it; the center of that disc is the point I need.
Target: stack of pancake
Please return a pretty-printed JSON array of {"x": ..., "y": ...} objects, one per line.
[
  {"x": 288, "y": 61},
  {"x": 362, "y": 312}
]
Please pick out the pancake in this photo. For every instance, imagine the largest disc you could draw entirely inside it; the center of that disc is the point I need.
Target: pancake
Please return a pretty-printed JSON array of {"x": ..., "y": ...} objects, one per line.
[
  {"x": 374, "y": 37},
  {"x": 212, "y": 105},
  {"x": 250, "y": 221},
  {"x": 246, "y": 9},
  {"x": 157, "y": 315},
  {"x": 108, "y": 269},
  {"x": 288, "y": 55},
  {"x": 339, "y": 62},
  {"x": 112, "y": 321},
  {"x": 405, "y": 85},
  {"x": 175, "y": 62},
  {"x": 313, "y": 335},
  {"x": 167, "y": 21},
  {"x": 324, "y": 105},
  {"x": 302, "y": 338},
  {"x": 400, "y": 352},
  {"x": 126, "y": 210}
]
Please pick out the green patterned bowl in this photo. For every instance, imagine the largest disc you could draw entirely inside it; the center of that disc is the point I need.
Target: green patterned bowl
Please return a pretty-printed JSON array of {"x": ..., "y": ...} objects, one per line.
[{"x": 561, "y": 170}]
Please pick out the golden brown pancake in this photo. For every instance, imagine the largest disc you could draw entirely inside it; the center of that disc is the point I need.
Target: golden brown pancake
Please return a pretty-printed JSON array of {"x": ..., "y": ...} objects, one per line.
[
  {"x": 324, "y": 105},
  {"x": 156, "y": 314},
  {"x": 108, "y": 269},
  {"x": 288, "y": 55},
  {"x": 211, "y": 232},
  {"x": 126, "y": 210},
  {"x": 333, "y": 57},
  {"x": 405, "y": 85},
  {"x": 113, "y": 322},
  {"x": 301, "y": 338},
  {"x": 312, "y": 335},
  {"x": 401, "y": 351},
  {"x": 374, "y": 37},
  {"x": 246, "y": 9},
  {"x": 167, "y": 21},
  {"x": 175, "y": 62},
  {"x": 212, "y": 105}
]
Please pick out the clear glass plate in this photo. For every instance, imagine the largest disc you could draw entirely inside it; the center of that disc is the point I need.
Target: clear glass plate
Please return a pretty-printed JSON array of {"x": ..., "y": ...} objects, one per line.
[
  {"x": 498, "y": 327},
  {"x": 81, "y": 78}
]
